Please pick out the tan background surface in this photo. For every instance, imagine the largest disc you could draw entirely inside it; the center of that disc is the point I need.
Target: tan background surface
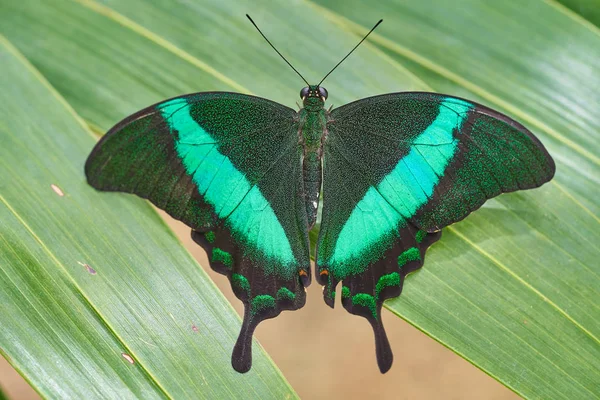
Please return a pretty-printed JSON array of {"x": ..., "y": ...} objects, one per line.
[{"x": 329, "y": 354}]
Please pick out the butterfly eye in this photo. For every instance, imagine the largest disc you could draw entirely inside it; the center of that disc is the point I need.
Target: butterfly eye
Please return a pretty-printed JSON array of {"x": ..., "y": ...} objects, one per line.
[
  {"x": 304, "y": 92},
  {"x": 323, "y": 92}
]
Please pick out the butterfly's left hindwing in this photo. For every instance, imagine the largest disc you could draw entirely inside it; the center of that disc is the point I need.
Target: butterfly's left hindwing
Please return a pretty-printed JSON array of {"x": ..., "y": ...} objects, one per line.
[
  {"x": 229, "y": 166},
  {"x": 397, "y": 169}
]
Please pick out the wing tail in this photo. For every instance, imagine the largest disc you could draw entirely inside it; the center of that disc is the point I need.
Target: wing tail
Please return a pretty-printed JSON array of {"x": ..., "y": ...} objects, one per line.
[{"x": 365, "y": 292}]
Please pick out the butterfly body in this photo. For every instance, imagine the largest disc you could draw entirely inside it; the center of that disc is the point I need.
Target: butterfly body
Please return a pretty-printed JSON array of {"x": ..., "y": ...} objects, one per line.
[{"x": 312, "y": 131}]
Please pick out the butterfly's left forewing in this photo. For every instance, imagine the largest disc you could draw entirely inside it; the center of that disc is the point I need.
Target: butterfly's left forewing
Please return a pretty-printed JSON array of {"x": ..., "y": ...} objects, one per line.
[
  {"x": 398, "y": 168},
  {"x": 229, "y": 166}
]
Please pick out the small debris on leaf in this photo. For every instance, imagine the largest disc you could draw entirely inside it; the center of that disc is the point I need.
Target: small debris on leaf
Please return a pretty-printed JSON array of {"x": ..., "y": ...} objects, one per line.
[
  {"x": 88, "y": 268},
  {"x": 57, "y": 190},
  {"x": 128, "y": 358}
]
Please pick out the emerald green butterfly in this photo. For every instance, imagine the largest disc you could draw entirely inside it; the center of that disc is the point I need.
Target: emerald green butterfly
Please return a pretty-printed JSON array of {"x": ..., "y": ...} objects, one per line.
[{"x": 246, "y": 174}]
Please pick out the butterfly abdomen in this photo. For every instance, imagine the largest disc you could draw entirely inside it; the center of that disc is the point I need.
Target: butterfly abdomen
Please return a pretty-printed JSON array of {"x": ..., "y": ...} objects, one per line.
[
  {"x": 311, "y": 169},
  {"x": 312, "y": 130}
]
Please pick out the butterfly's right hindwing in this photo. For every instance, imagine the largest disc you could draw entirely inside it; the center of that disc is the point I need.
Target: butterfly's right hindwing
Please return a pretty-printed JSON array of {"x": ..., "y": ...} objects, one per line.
[{"x": 229, "y": 166}]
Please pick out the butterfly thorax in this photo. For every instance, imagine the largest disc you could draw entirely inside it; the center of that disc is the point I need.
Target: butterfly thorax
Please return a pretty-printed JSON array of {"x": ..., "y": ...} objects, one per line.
[{"x": 312, "y": 131}]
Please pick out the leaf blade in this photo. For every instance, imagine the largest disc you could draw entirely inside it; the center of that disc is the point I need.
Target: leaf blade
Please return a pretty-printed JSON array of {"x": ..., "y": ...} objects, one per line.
[
  {"x": 102, "y": 317},
  {"x": 566, "y": 214}
]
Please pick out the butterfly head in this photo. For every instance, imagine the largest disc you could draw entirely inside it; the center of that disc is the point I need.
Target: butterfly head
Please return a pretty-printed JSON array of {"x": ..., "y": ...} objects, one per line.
[{"x": 313, "y": 96}]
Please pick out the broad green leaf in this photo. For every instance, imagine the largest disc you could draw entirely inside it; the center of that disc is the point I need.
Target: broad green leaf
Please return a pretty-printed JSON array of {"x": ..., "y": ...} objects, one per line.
[
  {"x": 98, "y": 299},
  {"x": 513, "y": 287}
]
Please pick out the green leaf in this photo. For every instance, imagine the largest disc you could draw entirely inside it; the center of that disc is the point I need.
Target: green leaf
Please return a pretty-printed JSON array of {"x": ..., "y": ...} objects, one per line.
[
  {"x": 512, "y": 288},
  {"x": 98, "y": 299}
]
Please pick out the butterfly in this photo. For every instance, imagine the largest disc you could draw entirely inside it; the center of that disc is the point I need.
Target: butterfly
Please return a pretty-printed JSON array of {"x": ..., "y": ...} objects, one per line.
[{"x": 247, "y": 175}]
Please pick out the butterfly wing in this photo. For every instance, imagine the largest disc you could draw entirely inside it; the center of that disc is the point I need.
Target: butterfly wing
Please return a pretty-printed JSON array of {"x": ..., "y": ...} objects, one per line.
[
  {"x": 398, "y": 168},
  {"x": 229, "y": 166}
]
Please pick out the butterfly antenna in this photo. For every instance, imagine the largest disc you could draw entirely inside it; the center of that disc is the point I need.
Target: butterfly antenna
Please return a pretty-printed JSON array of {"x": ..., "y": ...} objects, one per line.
[
  {"x": 280, "y": 55},
  {"x": 347, "y": 55}
]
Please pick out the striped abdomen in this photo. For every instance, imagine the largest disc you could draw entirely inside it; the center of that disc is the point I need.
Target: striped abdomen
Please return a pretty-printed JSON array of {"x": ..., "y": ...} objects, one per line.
[{"x": 311, "y": 171}]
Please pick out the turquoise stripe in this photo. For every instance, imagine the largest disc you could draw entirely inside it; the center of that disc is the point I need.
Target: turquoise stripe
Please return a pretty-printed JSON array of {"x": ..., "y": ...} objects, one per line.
[
  {"x": 405, "y": 189},
  {"x": 249, "y": 215}
]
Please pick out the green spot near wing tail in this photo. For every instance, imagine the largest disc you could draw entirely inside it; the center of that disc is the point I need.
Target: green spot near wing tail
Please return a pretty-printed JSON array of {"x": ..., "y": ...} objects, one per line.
[
  {"x": 240, "y": 282},
  {"x": 346, "y": 293},
  {"x": 369, "y": 301},
  {"x": 261, "y": 302},
  {"x": 392, "y": 279},
  {"x": 366, "y": 300},
  {"x": 285, "y": 294},
  {"x": 210, "y": 236},
  {"x": 222, "y": 256},
  {"x": 412, "y": 254},
  {"x": 420, "y": 236}
]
